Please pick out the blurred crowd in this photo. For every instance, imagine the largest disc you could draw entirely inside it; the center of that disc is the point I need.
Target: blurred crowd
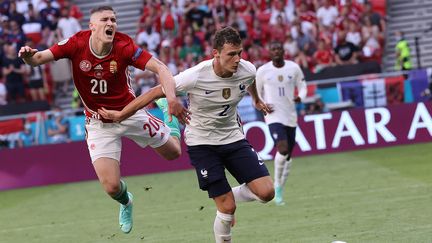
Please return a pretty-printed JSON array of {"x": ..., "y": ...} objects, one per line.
[
  {"x": 39, "y": 24},
  {"x": 316, "y": 33}
]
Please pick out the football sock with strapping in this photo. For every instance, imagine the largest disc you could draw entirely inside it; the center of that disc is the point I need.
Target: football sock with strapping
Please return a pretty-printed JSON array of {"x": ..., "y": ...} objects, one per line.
[
  {"x": 242, "y": 193},
  {"x": 279, "y": 166},
  {"x": 122, "y": 196},
  {"x": 222, "y": 227}
]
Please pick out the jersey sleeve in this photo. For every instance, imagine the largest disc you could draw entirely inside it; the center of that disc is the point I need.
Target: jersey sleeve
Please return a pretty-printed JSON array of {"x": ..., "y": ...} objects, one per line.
[
  {"x": 187, "y": 79},
  {"x": 301, "y": 84},
  {"x": 137, "y": 56},
  {"x": 259, "y": 80},
  {"x": 65, "y": 48}
]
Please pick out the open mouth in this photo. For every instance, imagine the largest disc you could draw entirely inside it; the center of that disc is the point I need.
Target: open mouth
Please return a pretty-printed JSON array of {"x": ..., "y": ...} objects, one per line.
[{"x": 109, "y": 32}]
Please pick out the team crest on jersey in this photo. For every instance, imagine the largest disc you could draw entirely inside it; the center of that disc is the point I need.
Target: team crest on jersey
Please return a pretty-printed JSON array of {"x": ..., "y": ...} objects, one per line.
[
  {"x": 226, "y": 93},
  {"x": 85, "y": 65},
  {"x": 113, "y": 66},
  {"x": 280, "y": 78}
]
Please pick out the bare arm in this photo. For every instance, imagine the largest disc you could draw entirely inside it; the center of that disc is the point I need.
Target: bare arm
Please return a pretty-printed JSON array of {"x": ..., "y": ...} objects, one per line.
[
  {"x": 34, "y": 57},
  {"x": 169, "y": 87},
  {"x": 138, "y": 103}
]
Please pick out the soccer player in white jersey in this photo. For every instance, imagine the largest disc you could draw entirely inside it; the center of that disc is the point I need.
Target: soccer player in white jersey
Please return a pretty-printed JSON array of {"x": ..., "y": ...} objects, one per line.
[
  {"x": 214, "y": 135},
  {"x": 276, "y": 82}
]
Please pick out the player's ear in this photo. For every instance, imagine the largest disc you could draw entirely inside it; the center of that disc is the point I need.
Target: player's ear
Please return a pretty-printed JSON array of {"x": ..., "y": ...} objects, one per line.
[
  {"x": 215, "y": 53},
  {"x": 91, "y": 26}
]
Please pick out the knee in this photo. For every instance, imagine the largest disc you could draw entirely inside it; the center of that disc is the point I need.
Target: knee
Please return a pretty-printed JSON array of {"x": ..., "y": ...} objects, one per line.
[
  {"x": 284, "y": 151},
  {"x": 174, "y": 154},
  {"x": 266, "y": 194},
  {"x": 228, "y": 207},
  {"x": 111, "y": 188}
]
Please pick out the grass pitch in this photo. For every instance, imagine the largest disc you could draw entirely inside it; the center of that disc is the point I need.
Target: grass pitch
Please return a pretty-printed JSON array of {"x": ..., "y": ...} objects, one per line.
[{"x": 379, "y": 195}]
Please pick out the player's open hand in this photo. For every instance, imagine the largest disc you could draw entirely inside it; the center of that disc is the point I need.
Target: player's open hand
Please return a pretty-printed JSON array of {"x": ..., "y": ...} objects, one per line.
[
  {"x": 113, "y": 115},
  {"x": 26, "y": 52},
  {"x": 175, "y": 108},
  {"x": 263, "y": 107}
]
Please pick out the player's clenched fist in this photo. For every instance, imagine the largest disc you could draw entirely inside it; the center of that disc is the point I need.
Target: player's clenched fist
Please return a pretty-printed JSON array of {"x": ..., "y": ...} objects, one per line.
[{"x": 26, "y": 51}]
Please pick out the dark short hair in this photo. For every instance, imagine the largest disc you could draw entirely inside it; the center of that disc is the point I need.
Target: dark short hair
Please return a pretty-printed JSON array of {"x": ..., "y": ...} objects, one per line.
[
  {"x": 275, "y": 43},
  {"x": 101, "y": 8},
  {"x": 226, "y": 35}
]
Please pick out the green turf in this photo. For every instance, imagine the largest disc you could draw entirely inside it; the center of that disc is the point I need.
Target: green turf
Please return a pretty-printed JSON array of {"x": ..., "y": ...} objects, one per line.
[{"x": 379, "y": 195}]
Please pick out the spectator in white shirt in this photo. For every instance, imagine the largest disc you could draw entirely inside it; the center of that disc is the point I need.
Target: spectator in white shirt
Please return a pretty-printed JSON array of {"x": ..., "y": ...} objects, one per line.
[
  {"x": 327, "y": 14},
  {"x": 67, "y": 25}
]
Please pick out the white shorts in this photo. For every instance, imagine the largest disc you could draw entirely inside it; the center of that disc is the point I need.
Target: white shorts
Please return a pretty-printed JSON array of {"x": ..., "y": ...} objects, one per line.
[{"x": 104, "y": 139}]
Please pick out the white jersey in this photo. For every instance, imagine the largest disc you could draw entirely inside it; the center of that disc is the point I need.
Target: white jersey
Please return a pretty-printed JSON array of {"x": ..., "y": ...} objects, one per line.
[
  {"x": 276, "y": 87},
  {"x": 213, "y": 102}
]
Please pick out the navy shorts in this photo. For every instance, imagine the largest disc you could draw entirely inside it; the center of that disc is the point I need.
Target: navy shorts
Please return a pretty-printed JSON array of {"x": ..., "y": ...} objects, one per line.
[
  {"x": 210, "y": 162},
  {"x": 280, "y": 132}
]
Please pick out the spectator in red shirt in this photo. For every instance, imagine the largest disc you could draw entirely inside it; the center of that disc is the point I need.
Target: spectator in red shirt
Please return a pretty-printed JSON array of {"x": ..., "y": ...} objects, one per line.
[{"x": 323, "y": 57}]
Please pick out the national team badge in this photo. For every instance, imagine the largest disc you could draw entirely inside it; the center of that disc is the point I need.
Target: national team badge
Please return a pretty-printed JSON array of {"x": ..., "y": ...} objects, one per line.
[
  {"x": 113, "y": 66},
  {"x": 280, "y": 78},
  {"x": 85, "y": 65},
  {"x": 226, "y": 93}
]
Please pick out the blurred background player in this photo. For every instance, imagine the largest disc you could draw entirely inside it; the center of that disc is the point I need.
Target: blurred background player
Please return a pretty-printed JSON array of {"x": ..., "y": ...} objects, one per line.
[
  {"x": 100, "y": 76},
  {"x": 276, "y": 82},
  {"x": 215, "y": 135}
]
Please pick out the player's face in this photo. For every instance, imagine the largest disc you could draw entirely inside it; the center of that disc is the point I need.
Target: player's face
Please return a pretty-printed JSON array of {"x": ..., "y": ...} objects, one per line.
[
  {"x": 276, "y": 52},
  {"x": 103, "y": 25},
  {"x": 229, "y": 57}
]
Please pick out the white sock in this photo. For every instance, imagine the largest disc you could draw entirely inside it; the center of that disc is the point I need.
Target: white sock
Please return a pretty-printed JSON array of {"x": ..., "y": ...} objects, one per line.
[
  {"x": 242, "y": 193},
  {"x": 279, "y": 164},
  {"x": 286, "y": 171},
  {"x": 222, "y": 227}
]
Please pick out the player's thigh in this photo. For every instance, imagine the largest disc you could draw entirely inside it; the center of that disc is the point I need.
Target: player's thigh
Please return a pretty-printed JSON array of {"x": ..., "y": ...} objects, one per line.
[
  {"x": 103, "y": 139},
  {"x": 146, "y": 130},
  {"x": 243, "y": 162},
  {"x": 107, "y": 170},
  {"x": 209, "y": 169},
  {"x": 170, "y": 150}
]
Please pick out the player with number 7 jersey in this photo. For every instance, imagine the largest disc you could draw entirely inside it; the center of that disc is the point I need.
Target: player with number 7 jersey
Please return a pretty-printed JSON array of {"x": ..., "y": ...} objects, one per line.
[{"x": 100, "y": 58}]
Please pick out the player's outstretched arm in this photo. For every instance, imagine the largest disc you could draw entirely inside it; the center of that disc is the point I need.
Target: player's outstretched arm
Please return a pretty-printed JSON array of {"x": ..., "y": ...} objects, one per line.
[
  {"x": 137, "y": 104},
  {"x": 169, "y": 86},
  {"x": 34, "y": 57}
]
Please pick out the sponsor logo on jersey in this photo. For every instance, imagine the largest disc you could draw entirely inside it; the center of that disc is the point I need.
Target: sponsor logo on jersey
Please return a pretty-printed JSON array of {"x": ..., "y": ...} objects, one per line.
[
  {"x": 290, "y": 77},
  {"x": 98, "y": 67},
  {"x": 113, "y": 66},
  {"x": 204, "y": 173},
  {"x": 85, "y": 65},
  {"x": 98, "y": 74},
  {"x": 242, "y": 87},
  {"x": 63, "y": 42},
  {"x": 209, "y": 91},
  {"x": 226, "y": 93},
  {"x": 280, "y": 78}
]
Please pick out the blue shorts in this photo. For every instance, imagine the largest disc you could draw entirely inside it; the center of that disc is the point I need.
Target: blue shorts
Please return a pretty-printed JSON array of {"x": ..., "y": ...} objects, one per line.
[
  {"x": 280, "y": 132},
  {"x": 210, "y": 162}
]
